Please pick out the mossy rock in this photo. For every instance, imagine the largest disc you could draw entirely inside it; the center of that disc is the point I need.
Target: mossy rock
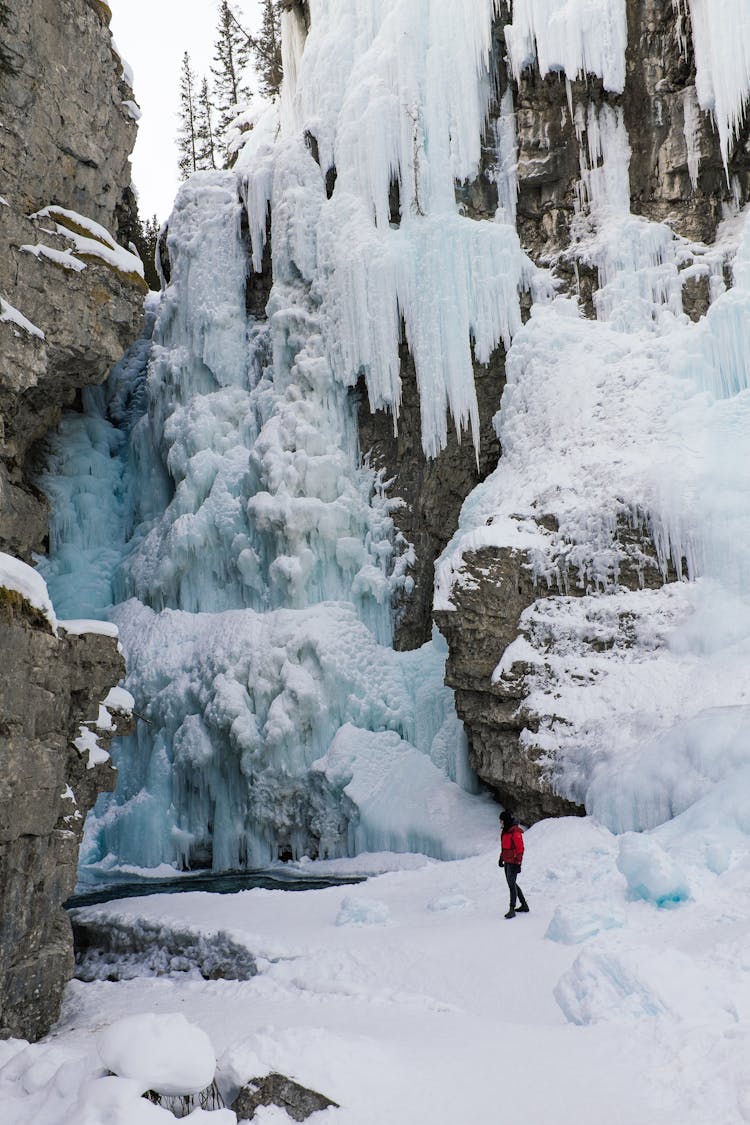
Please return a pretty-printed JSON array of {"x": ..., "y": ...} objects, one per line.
[
  {"x": 103, "y": 11},
  {"x": 14, "y": 607},
  {"x": 130, "y": 276},
  {"x": 76, "y": 228}
]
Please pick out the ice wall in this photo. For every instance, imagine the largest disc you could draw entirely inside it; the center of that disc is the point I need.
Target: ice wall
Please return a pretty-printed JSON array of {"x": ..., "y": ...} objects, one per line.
[{"x": 251, "y": 556}]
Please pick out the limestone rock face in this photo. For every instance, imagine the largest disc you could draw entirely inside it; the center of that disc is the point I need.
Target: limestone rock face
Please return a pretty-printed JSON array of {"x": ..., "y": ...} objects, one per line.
[
  {"x": 432, "y": 491},
  {"x": 51, "y": 686},
  {"x": 66, "y": 140},
  {"x": 65, "y": 319}
]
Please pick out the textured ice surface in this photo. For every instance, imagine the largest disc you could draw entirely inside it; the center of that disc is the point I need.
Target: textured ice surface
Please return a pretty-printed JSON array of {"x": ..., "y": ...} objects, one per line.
[{"x": 651, "y": 874}]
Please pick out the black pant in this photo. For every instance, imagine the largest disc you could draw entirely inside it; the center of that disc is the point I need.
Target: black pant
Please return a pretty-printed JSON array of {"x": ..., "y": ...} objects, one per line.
[{"x": 512, "y": 871}]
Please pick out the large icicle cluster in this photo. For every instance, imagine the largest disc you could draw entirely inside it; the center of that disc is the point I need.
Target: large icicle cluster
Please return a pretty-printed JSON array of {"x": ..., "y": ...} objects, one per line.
[
  {"x": 396, "y": 93},
  {"x": 575, "y": 37},
  {"x": 721, "y": 39}
]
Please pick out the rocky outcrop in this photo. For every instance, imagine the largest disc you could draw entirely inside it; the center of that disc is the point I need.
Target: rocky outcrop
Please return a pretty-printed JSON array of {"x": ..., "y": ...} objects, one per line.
[
  {"x": 68, "y": 310},
  {"x": 66, "y": 137},
  {"x": 499, "y": 585},
  {"x": 297, "y": 1101},
  {"x": 50, "y": 686}
]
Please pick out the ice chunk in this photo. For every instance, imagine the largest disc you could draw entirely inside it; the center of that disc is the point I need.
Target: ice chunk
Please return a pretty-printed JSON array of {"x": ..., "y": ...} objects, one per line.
[
  {"x": 574, "y": 924},
  {"x": 358, "y": 911},
  {"x": 651, "y": 873},
  {"x": 451, "y": 904},
  {"x": 607, "y": 985},
  {"x": 402, "y": 801},
  {"x": 165, "y": 1053}
]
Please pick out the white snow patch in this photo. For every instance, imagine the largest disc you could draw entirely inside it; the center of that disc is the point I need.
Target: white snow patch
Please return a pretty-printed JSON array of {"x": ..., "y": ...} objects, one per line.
[
  {"x": 165, "y": 1053},
  {"x": 118, "y": 699},
  {"x": 62, "y": 258},
  {"x": 87, "y": 742},
  {"x": 78, "y": 626},
  {"x": 16, "y": 575},
  {"x": 9, "y": 313}
]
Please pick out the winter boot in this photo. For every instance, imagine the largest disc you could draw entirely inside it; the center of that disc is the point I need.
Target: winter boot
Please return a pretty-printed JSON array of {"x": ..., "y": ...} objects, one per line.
[
  {"x": 524, "y": 907},
  {"x": 511, "y": 914}
]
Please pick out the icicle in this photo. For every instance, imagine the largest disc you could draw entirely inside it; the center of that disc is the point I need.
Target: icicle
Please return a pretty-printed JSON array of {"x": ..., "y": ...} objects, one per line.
[
  {"x": 721, "y": 40},
  {"x": 577, "y": 37}
]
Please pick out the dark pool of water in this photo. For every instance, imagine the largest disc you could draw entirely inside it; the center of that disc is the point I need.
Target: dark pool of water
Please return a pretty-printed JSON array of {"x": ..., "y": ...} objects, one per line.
[{"x": 222, "y": 884}]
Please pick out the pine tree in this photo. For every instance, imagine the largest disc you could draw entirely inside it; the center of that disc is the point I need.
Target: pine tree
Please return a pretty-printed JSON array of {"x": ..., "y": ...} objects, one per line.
[
  {"x": 267, "y": 48},
  {"x": 204, "y": 131},
  {"x": 231, "y": 55},
  {"x": 186, "y": 138},
  {"x": 145, "y": 238}
]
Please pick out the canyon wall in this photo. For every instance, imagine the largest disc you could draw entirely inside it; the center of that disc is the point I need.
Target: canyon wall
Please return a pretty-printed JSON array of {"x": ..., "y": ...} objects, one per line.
[{"x": 70, "y": 303}]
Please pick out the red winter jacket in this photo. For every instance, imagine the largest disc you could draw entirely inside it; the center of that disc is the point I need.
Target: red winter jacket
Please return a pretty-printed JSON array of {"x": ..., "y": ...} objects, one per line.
[{"x": 511, "y": 843}]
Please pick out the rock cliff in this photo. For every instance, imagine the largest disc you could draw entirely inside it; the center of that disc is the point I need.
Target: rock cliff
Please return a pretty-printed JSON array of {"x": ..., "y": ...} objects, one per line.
[
  {"x": 70, "y": 303},
  {"x": 54, "y": 686},
  {"x": 67, "y": 314}
]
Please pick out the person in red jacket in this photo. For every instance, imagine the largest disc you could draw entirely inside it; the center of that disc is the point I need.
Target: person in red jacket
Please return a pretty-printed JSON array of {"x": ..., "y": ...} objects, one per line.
[{"x": 511, "y": 858}]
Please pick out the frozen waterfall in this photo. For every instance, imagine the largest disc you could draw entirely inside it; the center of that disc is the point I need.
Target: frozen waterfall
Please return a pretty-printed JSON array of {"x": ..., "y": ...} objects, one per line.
[{"x": 213, "y": 501}]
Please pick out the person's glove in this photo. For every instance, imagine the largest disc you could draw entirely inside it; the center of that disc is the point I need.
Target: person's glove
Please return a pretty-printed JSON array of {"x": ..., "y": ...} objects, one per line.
[{"x": 500, "y": 862}]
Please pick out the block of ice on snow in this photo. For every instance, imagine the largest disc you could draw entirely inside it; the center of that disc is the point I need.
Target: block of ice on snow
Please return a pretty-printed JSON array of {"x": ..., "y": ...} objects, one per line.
[
  {"x": 571, "y": 925},
  {"x": 449, "y": 903},
  {"x": 165, "y": 1053},
  {"x": 651, "y": 873},
  {"x": 604, "y": 984},
  {"x": 358, "y": 911}
]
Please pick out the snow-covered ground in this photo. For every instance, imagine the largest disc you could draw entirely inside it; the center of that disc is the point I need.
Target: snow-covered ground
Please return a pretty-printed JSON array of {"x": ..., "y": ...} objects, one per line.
[{"x": 410, "y": 999}]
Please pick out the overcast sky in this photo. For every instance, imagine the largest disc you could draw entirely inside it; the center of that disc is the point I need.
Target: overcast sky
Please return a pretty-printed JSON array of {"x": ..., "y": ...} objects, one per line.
[{"x": 153, "y": 35}]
